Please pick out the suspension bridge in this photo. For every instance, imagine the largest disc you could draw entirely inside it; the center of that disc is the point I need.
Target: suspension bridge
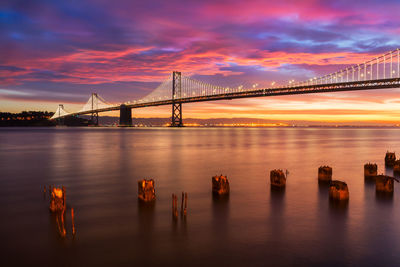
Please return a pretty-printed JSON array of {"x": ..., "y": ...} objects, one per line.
[{"x": 381, "y": 72}]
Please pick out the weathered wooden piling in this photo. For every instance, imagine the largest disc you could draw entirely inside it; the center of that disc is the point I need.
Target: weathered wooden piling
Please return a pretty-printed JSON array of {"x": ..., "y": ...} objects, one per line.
[
  {"x": 396, "y": 167},
  {"x": 73, "y": 222},
  {"x": 370, "y": 170},
  {"x": 64, "y": 191},
  {"x": 174, "y": 206},
  {"x": 185, "y": 210},
  {"x": 183, "y": 200},
  {"x": 61, "y": 225},
  {"x": 220, "y": 185},
  {"x": 324, "y": 174},
  {"x": 278, "y": 179},
  {"x": 390, "y": 158},
  {"x": 57, "y": 200},
  {"x": 146, "y": 190},
  {"x": 384, "y": 184},
  {"x": 184, "y": 204},
  {"x": 338, "y": 190}
]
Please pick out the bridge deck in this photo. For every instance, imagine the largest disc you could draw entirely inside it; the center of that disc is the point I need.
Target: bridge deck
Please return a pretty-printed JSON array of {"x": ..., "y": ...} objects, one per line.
[{"x": 309, "y": 89}]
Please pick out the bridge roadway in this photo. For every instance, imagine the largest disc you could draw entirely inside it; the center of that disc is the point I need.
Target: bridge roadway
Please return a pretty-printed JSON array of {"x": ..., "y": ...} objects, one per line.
[{"x": 308, "y": 89}]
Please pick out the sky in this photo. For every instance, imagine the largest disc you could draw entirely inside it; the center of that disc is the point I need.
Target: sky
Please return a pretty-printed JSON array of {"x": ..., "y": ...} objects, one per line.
[{"x": 56, "y": 52}]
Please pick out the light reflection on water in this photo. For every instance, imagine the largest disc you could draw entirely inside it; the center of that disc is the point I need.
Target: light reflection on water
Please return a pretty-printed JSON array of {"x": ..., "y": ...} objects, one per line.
[{"x": 100, "y": 168}]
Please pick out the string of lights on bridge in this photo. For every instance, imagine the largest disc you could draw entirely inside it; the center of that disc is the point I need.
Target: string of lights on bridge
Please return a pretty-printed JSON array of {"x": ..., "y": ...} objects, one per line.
[
  {"x": 381, "y": 67},
  {"x": 386, "y": 66}
]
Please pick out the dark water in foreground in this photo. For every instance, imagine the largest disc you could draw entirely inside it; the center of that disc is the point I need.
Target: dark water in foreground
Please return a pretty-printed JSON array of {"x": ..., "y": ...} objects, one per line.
[{"x": 100, "y": 168}]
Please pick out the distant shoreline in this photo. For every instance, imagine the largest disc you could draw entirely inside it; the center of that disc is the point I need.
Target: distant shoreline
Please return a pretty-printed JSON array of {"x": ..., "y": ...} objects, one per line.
[
  {"x": 41, "y": 119},
  {"x": 203, "y": 126}
]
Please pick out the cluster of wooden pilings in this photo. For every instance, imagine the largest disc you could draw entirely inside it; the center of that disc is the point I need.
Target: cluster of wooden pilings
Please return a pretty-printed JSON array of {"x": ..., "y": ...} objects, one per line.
[
  {"x": 338, "y": 190},
  {"x": 384, "y": 184},
  {"x": 58, "y": 206},
  {"x": 147, "y": 194},
  {"x": 183, "y": 205}
]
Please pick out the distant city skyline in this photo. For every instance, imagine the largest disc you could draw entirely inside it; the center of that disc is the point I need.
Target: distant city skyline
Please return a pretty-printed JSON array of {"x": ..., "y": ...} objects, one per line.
[{"x": 59, "y": 52}]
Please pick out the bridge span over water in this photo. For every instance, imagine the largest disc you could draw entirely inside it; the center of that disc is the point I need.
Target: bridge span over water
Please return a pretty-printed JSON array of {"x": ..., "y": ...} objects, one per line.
[{"x": 381, "y": 72}]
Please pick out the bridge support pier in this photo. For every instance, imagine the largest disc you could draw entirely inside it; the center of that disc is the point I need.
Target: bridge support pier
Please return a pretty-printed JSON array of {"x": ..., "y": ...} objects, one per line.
[
  {"x": 95, "y": 118},
  {"x": 176, "y": 115},
  {"x": 60, "y": 121},
  {"x": 125, "y": 116}
]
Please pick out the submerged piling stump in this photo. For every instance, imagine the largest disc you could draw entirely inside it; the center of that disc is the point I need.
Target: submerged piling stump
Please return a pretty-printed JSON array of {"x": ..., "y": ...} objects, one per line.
[
  {"x": 390, "y": 158},
  {"x": 370, "y": 170},
  {"x": 220, "y": 185},
  {"x": 146, "y": 190},
  {"x": 278, "y": 179},
  {"x": 324, "y": 174},
  {"x": 338, "y": 190},
  {"x": 384, "y": 184}
]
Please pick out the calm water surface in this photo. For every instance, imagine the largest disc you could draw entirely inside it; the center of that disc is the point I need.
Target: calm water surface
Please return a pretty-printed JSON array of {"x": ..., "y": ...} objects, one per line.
[{"x": 255, "y": 226}]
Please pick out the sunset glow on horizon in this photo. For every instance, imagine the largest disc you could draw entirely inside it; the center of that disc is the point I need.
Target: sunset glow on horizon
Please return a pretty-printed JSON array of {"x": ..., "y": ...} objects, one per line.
[{"x": 60, "y": 52}]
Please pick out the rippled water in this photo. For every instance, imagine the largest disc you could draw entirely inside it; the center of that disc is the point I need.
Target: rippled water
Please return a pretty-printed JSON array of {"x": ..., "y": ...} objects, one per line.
[{"x": 255, "y": 226}]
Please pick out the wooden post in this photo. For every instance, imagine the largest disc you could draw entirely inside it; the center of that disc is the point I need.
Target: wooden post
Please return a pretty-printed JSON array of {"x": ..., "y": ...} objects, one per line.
[
  {"x": 61, "y": 226},
  {"x": 390, "y": 158},
  {"x": 146, "y": 191},
  {"x": 324, "y": 174},
  {"x": 184, "y": 212},
  {"x": 384, "y": 184},
  {"x": 73, "y": 222},
  {"x": 173, "y": 203},
  {"x": 182, "y": 203},
  {"x": 64, "y": 198},
  {"x": 220, "y": 185},
  {"x": 370, "y": 170},
  {"x": 338, "y": 190},
  {"x": 278, "y": 179},
  {"x": 174, "y": 206}
]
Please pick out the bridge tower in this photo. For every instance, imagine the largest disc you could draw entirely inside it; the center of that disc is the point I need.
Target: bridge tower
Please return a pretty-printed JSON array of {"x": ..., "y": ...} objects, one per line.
[
  {"x": 176, "y": 94},
  {"x": 60, "y": 121},
  {"x": 95, "y": 115},
  {"x": 125, "y": 115}
]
